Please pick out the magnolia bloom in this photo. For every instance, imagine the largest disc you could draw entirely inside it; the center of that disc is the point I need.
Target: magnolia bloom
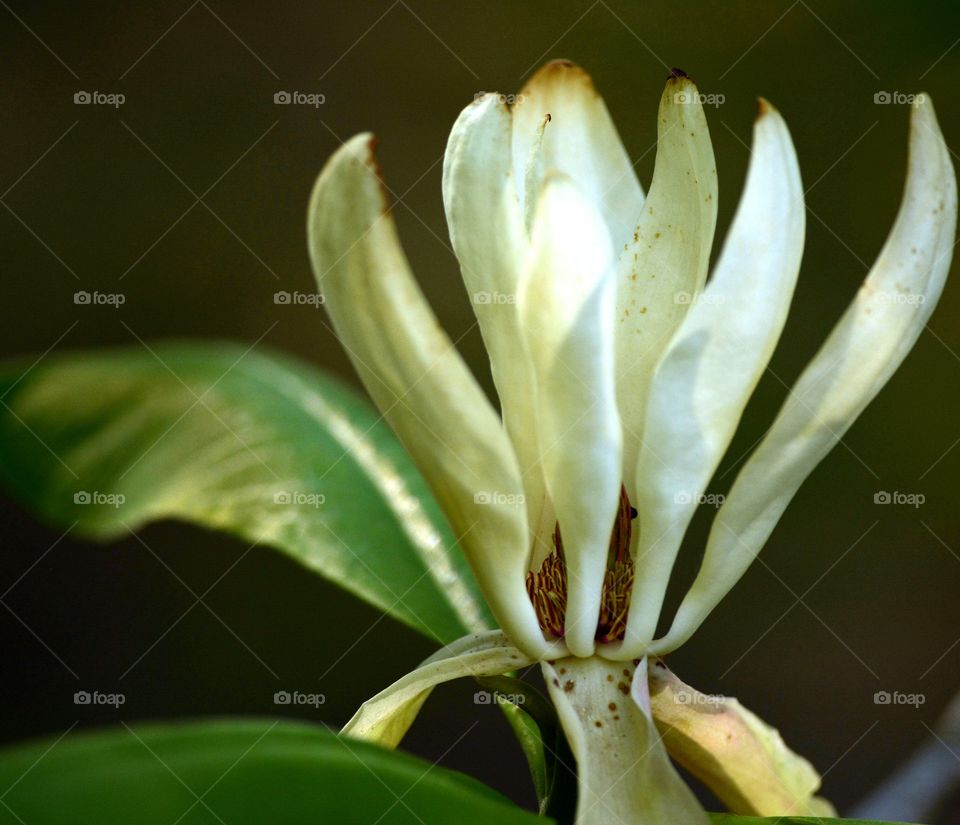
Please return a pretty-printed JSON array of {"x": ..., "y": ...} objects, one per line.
[{"x": 622, "y": 373}]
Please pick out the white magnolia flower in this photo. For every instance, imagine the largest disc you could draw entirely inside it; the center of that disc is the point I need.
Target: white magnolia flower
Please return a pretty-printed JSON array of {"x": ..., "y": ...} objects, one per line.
[{"x": 622, "y": 374}]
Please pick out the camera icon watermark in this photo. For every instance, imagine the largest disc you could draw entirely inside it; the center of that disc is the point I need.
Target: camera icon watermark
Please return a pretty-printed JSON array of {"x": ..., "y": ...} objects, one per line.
[
  {"x": 686, "y": 497},
  {"x": 509, "y": 100},
  {"x": 114, "y": 99},
  {"x": 495, "y": 697},
  {"x": 497, "y": 298},
  {"x": 295, "y": 298},
  {"x": 85, "y": 497},
  {"x": 314, "y": 99},
  {"x": 296, "y": 698},
  {"x": 885, "y": 697},
  {"x": 485, "y": 497},
  {"x": 95, "y": 298},
  {"x": 86, "y": 697},
  {"x": 884, "y": 98},
  {"x": 915, "y": 500},
  {"x": 299, "y": 497},
  {"x": 899, "y": 298},
  {"x": 687, "y": 697},
  {"x": 689, "y": 96}
]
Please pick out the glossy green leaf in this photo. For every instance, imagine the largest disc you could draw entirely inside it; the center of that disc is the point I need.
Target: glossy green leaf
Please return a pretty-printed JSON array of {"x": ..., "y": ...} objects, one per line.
[
  {"x": 258, "y": 445},
  {"x": 248, "y": 772},
  {"x": 730, "y": 819},
  {"x": 211, "y": 434}
]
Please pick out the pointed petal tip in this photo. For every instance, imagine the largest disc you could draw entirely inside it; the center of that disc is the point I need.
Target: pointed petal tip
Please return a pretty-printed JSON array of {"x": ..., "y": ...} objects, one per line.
[
  {"x": 559, "y": 66},
  {"x": 560, "y": 72},
  {"x": 561, "y": 63},
  {"x": 358, "y": 151},
  {"x": 765, "y": 108},
  {"x": 361, "y": 147},
  {"x": 920, "y": 100},
  {"x": 678, "y": 79},
  {"x": 681, "y": 90},
  {"x": 921, "y": 109}
]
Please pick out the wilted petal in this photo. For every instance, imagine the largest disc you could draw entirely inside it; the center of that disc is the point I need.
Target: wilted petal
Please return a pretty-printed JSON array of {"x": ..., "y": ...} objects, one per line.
[
  {"x": 579, "y": 141},
  {"x": 665, "y": 263},
  {"x": 623, "y": 772},
  {"x": 864, "y": 349},
  {"x": 567, "y": 307},
  {"x": 386, "y": 717},
  {"x": 488, "y": 236},
  {"x": 419, "y": 382},
  {"x": 740, "y": 758},
  {"x": 713, "y": 363}
]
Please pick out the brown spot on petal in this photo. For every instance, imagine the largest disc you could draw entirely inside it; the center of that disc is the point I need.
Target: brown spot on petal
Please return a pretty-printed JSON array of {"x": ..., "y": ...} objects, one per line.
[{"x": 568, "y": 686}]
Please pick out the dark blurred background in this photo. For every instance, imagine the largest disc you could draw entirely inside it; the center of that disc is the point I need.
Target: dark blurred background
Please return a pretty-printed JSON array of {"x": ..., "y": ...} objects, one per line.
[{"x": 850, "y": 598}]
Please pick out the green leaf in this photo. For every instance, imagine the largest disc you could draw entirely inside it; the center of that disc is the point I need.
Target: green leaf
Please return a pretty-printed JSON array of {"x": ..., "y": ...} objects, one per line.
[
  {"x": 248, "y": 772},
  {"x": 258, "y": 445},
  {"x": 210, "y": 433},
  {"x": 730, "y": 819}
]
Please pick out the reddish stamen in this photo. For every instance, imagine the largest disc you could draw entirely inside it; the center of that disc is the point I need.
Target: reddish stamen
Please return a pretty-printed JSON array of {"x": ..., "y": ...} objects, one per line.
[{"x": 547, "y": 587}]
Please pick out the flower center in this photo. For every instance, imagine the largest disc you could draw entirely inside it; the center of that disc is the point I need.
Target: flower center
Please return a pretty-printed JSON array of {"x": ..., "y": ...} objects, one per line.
[{"x": 547, "y": 587}]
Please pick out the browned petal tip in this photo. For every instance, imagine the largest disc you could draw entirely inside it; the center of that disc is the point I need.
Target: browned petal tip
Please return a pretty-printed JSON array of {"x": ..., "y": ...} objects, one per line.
[
  {"x": 373, "y": 163},
  {"x": 677, "y": 74},
  {"x": 563, "y": 71},
  {"x": 763, "y": 107}
]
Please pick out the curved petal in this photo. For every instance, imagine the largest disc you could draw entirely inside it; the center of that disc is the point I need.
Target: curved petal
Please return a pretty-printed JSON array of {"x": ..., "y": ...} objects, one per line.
[
  {"x": 863, "y": 351},
  {"x": 489, "y": 238},
  {"x": 665, "y": 263},
  {"x": 580, "y": 141},
  {"x": 623, "y": 772},
  {"x": 740, "y": 758},
  {"x": 713, "y": 364},
  {"x": 386, "y": 717},
  {"x": 419, "y": 382},
  {"x": 567, "y": 307}
]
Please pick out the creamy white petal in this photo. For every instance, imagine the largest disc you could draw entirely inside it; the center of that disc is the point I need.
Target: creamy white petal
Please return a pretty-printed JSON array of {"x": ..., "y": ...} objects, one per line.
[
  {"x": 487, "y": 231},
  {"x": 419, "y": 382},
  {"x": 864, "y": 349},
  {"x": 623, "y": 772},
  {"x": 579, "y": 141},
  {"x": 664, "y": 264},
  {"x": 740, "y": 758},
  {"x": 567, "y": 307},
  {"x": 386, "y": 717},
  {"x": 713, "y": 364}
]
